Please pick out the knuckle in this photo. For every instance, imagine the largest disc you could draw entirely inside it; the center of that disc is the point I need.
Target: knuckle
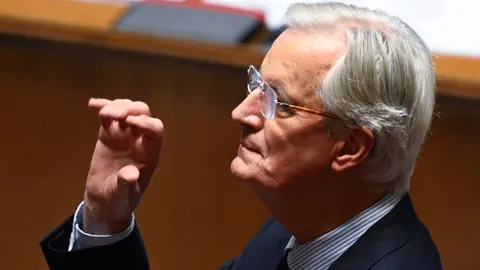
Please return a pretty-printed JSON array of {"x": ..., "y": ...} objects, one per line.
[
  {"x": 144, "y": 118},
  {"x": 158, "y": 123},
  {"x": 154, "y": 124},
  {"x": 122, "y": 100},
  {"x": 104, "y": 100},
  {"x": 106, "y": 108},
  {"x": 141, "y": 106}
]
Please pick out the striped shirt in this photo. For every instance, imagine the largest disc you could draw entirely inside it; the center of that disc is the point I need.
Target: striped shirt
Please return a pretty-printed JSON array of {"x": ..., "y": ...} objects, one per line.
[
  {"x": 81, "y": 240},
  {"x": 320, "y": 253}
]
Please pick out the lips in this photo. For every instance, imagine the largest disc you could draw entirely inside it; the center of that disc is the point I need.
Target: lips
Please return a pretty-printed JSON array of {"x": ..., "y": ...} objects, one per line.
[{"x": 249, "y": 146}]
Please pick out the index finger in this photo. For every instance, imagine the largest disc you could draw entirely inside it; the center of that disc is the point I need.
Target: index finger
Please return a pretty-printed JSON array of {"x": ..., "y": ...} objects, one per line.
[
  {"x": 151, "y": 127},
  {"x": 120, "y": 109},
  {"x": 98, "y": 103}
]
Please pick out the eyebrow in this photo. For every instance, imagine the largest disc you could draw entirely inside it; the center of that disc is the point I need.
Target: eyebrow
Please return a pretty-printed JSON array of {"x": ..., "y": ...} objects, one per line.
[
  {"x": 278, "y": 86},
  {"x": 279, "y": 90}
]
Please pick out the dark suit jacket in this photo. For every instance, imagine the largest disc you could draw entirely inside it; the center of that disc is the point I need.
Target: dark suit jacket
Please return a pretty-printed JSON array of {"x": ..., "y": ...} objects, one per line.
[{"x": 398, "y": 241}]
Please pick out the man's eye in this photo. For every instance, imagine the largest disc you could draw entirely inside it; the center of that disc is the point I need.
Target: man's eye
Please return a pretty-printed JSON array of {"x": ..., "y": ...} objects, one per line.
[{"x": 282, "y": 107}]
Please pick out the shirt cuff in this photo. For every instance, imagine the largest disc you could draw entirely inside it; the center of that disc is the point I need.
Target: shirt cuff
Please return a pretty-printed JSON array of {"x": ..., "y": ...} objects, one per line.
[{"x": 82, "y": 240}]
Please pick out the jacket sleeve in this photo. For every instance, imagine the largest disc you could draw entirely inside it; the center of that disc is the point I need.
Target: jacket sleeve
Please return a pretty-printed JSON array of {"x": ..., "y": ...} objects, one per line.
[{"x": 129, "y": 253}]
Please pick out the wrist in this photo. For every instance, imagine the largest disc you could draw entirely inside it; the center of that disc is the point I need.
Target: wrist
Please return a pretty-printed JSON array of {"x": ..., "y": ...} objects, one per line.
[{"x": 97, "y": 224}]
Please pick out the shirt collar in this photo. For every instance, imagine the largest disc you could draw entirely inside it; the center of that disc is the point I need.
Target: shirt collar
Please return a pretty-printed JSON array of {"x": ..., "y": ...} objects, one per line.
[{"x": 328, "y": 247}]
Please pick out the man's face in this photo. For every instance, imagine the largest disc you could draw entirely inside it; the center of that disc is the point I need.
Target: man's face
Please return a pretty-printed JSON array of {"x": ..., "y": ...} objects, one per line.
[{"x": 294, "y": 145}]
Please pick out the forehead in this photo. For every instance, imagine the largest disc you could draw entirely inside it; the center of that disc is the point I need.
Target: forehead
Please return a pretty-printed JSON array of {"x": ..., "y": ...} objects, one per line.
[{"x": 299, "y": 56}]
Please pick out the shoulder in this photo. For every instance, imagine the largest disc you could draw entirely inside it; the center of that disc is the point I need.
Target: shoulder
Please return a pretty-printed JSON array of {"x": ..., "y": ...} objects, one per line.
[
  {"x": 272, "y": 235},
  {"x": 264, "y": 250},
  {"x": 419, "y": 253}
]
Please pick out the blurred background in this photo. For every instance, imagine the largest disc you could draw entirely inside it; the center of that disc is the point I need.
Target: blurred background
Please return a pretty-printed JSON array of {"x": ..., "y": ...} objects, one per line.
[{"x": 187, "y": 60}]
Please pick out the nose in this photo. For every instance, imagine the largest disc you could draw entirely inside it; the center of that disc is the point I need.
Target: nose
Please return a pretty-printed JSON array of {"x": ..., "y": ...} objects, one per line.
[{"x": 248, "y": 113}]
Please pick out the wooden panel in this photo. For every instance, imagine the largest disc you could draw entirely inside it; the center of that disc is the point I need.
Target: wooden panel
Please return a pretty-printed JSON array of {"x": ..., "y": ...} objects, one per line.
[
  {"x": 90, "y": 23},
  {"x": 194, "y": 209},
  {"x": 446, "y": 182},
  {"x": 458, "y": 76},
  {"x": 193, "y": 206},
  {"x": 64, "y": 12}
]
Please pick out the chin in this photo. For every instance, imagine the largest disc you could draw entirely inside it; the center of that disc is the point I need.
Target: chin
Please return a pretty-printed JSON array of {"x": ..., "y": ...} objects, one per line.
[
  {"x": 241, "y": 170},
  {"x": 251, "y": 174}
]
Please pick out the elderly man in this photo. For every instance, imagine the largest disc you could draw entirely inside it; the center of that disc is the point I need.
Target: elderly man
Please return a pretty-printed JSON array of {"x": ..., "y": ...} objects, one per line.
[{"x": 332, "y": 125}]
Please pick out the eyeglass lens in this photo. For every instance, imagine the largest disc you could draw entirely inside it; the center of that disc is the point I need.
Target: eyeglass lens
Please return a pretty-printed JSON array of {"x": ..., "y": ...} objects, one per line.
[{"x": 269, "y": 98}]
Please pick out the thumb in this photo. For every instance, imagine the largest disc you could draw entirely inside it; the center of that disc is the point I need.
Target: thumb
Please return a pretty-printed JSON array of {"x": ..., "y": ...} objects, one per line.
[{"x": 128, "y": 175}]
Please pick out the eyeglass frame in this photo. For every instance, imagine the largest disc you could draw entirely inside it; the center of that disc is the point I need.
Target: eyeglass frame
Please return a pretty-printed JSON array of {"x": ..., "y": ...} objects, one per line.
[{"x": 264, "y": 86}]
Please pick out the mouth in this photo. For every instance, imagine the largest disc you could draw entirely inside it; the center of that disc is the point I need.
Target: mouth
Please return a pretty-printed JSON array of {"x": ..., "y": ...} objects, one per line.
[
  {"x": 248, "y": 146},
  {"x": 248, "y": 149}
]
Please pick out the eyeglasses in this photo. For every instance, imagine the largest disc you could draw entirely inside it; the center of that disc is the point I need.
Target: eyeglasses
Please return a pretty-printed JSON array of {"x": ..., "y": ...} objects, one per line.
[{"x": 269, "y": 97}]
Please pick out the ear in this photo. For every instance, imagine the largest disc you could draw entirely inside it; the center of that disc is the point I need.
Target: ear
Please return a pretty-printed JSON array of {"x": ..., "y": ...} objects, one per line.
[{"x": 353, "y": 149}]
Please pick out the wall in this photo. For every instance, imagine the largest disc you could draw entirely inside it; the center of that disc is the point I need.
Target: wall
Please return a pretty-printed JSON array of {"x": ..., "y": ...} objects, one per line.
[{"x": 194, "y": 209}]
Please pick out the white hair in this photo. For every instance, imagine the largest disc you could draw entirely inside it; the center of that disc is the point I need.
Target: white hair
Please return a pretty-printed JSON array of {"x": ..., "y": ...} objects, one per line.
[{"x": 385, "y": 82}]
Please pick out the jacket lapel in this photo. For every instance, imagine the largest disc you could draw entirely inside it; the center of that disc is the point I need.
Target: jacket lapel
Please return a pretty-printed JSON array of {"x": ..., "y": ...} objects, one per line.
[{"x": 388, "y": 234}]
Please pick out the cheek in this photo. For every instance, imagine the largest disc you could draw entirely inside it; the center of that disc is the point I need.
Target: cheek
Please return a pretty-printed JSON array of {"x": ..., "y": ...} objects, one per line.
[
  {"x": 297, "y": 153},
  {"x": 282, "y": 152}
]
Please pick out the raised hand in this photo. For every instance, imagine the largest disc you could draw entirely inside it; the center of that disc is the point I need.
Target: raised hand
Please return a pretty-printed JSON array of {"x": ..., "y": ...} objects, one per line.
[{"x": 125, "y": 157}]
